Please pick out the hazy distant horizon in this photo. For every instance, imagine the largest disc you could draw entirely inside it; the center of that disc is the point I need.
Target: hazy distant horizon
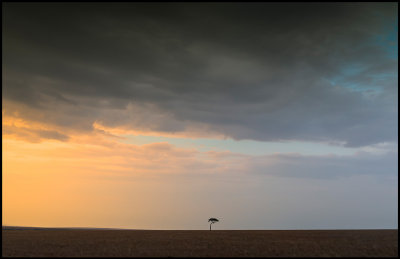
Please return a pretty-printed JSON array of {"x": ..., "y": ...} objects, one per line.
[
  {"x": 162, "y": 115},
  {"x": 205, "y": 229}
]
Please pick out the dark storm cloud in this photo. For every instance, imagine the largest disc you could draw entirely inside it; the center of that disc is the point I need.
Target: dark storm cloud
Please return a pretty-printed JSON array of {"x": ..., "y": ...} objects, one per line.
[{"x": 263, "y": 71}]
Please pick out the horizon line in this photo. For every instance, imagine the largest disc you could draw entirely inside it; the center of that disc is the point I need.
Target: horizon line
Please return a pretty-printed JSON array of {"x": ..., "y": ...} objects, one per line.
[{"x": 5, "y": 227}]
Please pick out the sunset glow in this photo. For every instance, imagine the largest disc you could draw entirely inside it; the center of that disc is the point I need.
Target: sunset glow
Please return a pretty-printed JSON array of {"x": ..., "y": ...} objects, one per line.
[{"x": 147, "y": 116}]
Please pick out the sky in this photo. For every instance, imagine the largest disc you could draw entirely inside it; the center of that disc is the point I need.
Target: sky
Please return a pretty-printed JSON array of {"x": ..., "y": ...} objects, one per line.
[{"x": 162, "y": 115}]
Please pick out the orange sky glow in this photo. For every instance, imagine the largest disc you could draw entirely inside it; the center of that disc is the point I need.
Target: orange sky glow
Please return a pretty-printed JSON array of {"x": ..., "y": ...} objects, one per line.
[{"x": 151, "y": 116}]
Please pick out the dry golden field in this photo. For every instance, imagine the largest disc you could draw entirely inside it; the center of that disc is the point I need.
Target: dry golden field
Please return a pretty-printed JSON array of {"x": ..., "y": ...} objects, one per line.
[{"x": 199, "y": 243}]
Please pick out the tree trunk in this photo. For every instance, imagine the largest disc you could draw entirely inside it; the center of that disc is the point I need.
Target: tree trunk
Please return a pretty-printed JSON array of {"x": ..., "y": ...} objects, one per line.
[{"x": 210, "y": 226}]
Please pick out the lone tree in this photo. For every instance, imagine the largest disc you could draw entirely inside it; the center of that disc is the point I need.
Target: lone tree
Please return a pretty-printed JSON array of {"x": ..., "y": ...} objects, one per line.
[{"x": 212, "y": 220}]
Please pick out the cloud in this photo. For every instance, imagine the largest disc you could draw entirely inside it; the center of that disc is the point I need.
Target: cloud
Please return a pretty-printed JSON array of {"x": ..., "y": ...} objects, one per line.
[
  {"x": 327, "y": 167},
  {"x": 33, "y": 135},
  {"x": 261, "y": 71},
  {"x": 151, "y": 186},
  {"x": 109, "y": 157}
]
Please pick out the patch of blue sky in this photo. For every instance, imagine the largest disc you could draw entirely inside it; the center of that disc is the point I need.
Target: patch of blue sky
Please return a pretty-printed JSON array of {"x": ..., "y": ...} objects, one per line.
[
  {"x": 346, "y": 79},
  {"x": 350, "y": 70},
  {"x": 249, "y": 147},
  {"x": 361, "y": 87},
  {"x": 388, "y": 36},
  {"x": 383, "y": 76},
  {"x": 387, "y": 41},
  {"x": 354, "y": 69}
]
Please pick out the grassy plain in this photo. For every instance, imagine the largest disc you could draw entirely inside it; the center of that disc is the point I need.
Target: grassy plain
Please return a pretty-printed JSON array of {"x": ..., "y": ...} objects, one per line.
[{"x": 199, "y": 243}]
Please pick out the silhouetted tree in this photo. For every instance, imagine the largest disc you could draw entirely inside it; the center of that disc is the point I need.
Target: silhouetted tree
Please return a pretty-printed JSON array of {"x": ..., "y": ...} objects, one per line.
[{"x": 212, "y": 220}]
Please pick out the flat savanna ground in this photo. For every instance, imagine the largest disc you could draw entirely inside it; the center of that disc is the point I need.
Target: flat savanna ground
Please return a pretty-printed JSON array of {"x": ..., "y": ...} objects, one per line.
[{"x": 195, "y": 243}]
